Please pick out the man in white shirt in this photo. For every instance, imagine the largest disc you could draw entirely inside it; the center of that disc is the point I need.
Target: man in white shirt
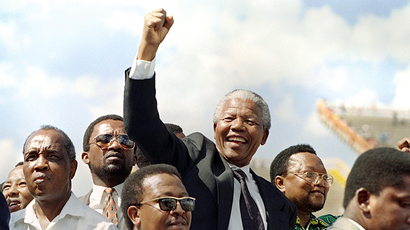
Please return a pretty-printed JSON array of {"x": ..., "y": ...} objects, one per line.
[
  {"x": 377, "y": 193},
  {"x": 49, "y": 165},
  {"x": 109, "y": 154}
]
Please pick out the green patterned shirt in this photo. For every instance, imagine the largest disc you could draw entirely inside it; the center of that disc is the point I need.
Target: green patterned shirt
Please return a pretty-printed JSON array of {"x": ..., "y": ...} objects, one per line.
[{"x": 318, "y": 223}]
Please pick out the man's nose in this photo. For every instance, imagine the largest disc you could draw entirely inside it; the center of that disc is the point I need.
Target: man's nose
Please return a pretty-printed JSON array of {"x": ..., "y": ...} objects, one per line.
[
  {"x": 12, "y": 191},
  {"x": 41, "y": 163}
]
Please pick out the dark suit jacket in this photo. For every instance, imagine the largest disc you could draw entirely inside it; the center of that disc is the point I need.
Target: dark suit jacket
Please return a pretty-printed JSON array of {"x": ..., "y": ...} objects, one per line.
[
  {"x": 4, "y": 213},
  {"x": 205, "y": 173}
]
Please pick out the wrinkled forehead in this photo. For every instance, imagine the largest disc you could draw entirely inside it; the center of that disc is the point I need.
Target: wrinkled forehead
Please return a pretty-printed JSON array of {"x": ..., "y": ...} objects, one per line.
[
  {"x": 45, "y": 139},
  {"x": 244, "y": 105}
]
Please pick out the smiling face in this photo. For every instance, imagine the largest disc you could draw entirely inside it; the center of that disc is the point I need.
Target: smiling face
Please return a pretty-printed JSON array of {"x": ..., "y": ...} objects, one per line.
[
  {"x": 308, "y": 198},
  {"x": 239, "y": 131},
  {"x": 15, "y": 190},
  {"x": 47, "y": 167},
  {"x": 151, "y": 216},
  {"x": 112, "y": 165}
]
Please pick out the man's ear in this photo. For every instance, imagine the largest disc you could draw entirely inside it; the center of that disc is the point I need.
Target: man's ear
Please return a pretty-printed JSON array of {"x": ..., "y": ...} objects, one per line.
[
  {"x": 214, "y": 130},
  {"x": 280, "y": 183},
  {"x": 363, "y": 199},
  {"x": 73, "y": 168},
  {"x": 265, "y": 136},
  {"x": 85, "y": 158},
  {"x": 134, "y": 215}
]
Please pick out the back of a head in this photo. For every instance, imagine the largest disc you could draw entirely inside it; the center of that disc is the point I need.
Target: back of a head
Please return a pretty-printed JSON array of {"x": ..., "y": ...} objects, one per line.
[
  {"x": 174, "y": 128},
  {"x": 376, "y": 169}
]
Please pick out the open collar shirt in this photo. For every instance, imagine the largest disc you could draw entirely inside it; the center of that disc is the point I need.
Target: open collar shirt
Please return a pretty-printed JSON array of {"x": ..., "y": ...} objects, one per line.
[{"x": 74, "y": 216}]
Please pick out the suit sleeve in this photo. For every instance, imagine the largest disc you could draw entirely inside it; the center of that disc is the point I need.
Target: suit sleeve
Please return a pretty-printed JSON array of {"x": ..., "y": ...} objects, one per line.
[{"x": 144, "y": 126}]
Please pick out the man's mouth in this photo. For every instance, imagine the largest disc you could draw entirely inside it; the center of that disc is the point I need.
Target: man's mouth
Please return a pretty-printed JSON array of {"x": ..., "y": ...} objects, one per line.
[
  {"x": 114, "y": 155},
  {"x": 237, "y": 139},
  {"x": 40, "y": 178},
  {"x": 14, "y": 205},
  {"x": 178, "y": 221},
  {"x": 317, "y": 192}
]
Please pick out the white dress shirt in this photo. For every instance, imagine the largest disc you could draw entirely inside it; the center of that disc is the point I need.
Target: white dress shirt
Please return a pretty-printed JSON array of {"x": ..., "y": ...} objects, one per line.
[
  {"x": 74, "y": 216},
  {"x": 235, "y": 221},
  {"x": 97, "y": 199}
]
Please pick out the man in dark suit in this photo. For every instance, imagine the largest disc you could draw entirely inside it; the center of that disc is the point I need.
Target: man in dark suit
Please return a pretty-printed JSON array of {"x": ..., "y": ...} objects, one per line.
[{"x": 241, "y": 125}]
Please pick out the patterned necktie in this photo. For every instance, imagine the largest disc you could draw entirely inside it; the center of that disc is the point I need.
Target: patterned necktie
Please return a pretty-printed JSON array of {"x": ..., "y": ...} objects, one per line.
[
  {"x": 110, "y": 210},
  {"x": 251, "y": 218}
]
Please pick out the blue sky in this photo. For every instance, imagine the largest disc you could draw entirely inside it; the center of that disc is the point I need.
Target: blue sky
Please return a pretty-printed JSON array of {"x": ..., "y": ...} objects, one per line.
[{"x": 62, "y": 63}]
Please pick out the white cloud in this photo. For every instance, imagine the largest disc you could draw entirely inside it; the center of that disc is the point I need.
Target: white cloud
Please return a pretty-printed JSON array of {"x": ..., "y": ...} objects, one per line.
[
  {"x": 314, "y": 126},
  {"x": 7, "y": 78},
  {"x": 402, "y": 82},
  {"x": 364, "y": 98},
  {"x": 10, "y": 156},
  {"x": 285, "y": 110}
]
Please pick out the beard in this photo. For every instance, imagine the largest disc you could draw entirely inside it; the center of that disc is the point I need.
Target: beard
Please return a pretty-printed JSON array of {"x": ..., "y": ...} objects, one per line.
[
  {"x": 310, "y": 205},
  {"x": 108, "y": 171}
]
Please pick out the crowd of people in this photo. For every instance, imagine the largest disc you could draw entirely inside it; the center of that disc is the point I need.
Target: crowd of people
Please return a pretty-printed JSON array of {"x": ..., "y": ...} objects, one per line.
[{"x": 190, "y": 182}]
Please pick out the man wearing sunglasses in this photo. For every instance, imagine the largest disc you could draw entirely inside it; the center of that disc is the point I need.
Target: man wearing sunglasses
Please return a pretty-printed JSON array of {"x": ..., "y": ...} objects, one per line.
[
  {"x": 300, "y": 174},
  {"x": 154, "y": 197},
  {"x": 229, "y": 194},
  {"x": 109, "y": 154}
]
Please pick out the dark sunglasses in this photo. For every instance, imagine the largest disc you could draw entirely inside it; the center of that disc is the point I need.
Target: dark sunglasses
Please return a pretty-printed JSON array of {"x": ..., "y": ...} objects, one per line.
[
  {"x": 104, "y": 140},
  {"x": 170, "y": 203}
]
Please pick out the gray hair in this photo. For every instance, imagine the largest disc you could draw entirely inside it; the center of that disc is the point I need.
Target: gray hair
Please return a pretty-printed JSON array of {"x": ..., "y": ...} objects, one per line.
[{"x": 246, "y": 95}]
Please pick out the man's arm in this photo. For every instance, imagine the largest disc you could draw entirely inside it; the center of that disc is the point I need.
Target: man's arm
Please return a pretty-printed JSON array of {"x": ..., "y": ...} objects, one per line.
[{"x": 141, "y": 116}]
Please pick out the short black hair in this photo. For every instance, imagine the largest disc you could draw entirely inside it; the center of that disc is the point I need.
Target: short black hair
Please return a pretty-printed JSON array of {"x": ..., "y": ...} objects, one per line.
[
  {"x": 142, "y": 161},
  {"x": 133, "y": 190},
  {"x": 376, "y": 169},
  {"x": 174, "y": 128},
  {"x": 90, "y": 128},
  {"x": 279, "y": 165},
  {"x": 68, "y": 144}
]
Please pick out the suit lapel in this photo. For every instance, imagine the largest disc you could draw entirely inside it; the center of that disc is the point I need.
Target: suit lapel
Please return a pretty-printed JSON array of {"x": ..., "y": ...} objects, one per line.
[
  {"x": 224, "y": 182},
  {"x": 273, "y": 204}
]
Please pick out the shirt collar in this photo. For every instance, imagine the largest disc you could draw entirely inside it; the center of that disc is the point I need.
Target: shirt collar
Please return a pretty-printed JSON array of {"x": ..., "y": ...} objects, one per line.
[
  {"x": 246, "y": 169},
  {"x": 70, "y": 208},
  {"x": 98, "y": 191}
]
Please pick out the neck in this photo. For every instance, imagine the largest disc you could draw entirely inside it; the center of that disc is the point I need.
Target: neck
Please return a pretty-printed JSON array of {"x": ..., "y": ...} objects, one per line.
[
  {"x": 46, "y": 210},
  {"x": 304, "y": 218},
  {"x": 108, "y": 182}
]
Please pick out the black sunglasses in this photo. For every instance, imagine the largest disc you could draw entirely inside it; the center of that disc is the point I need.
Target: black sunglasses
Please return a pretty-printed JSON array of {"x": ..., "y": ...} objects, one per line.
[
  {"x": 170, "y": 203},
  {"x": 104, "y": 140}
]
